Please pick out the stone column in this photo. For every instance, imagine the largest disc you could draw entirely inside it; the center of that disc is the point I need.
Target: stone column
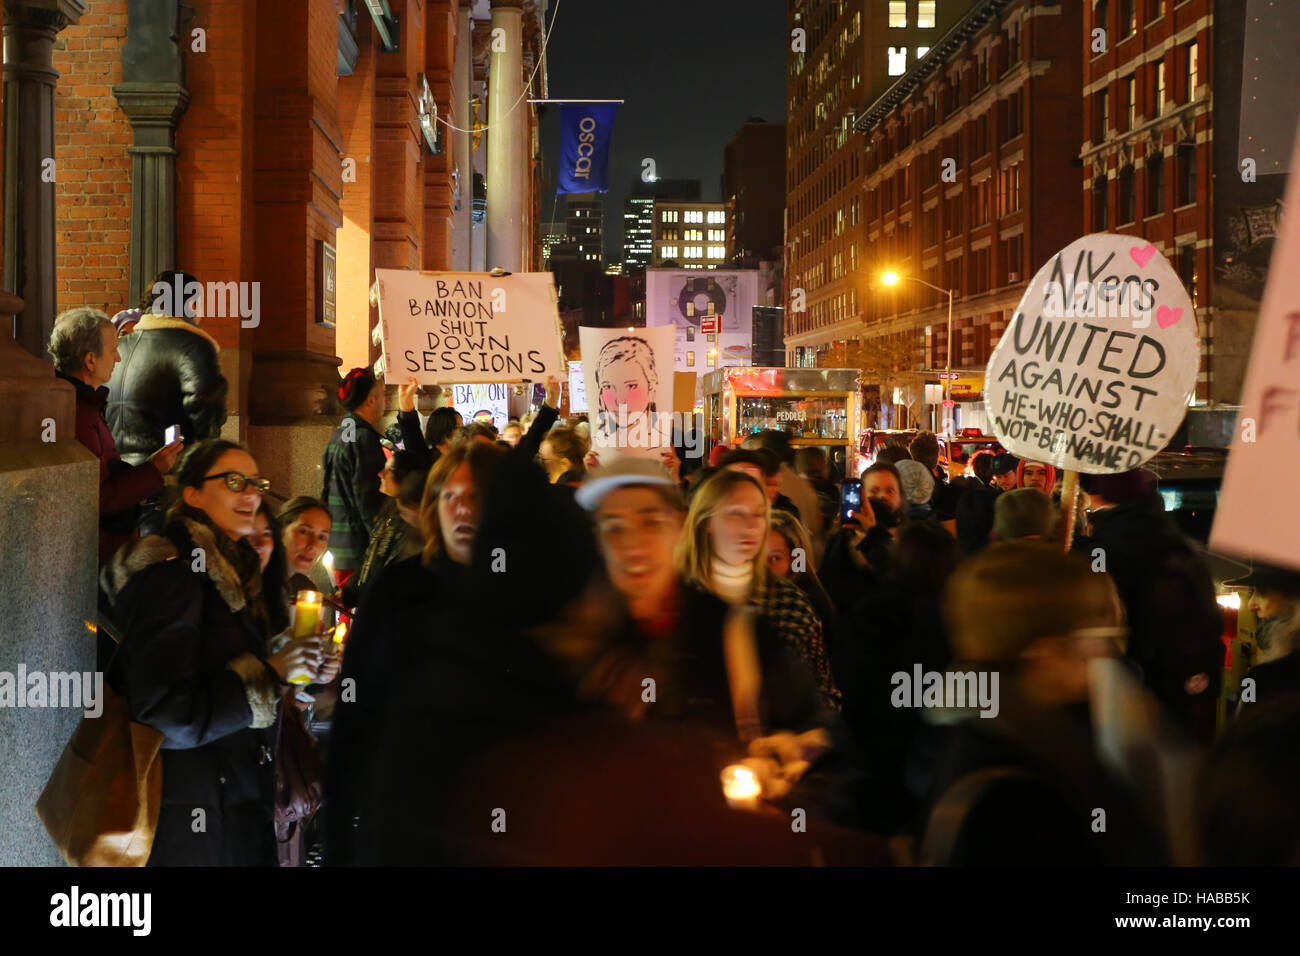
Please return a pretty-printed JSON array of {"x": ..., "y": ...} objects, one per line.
[
  {"x": 29, "y": 265},
  {"x": 49, "y": 484},
  {"x": 506, "y": 139},
  {"x": 153, "y": 96},
  {"x": 461, "y": 80}
]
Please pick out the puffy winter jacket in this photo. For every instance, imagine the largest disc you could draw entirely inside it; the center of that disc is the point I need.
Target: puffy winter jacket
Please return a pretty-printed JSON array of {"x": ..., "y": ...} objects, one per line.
[{"x": 169, "y": 375}]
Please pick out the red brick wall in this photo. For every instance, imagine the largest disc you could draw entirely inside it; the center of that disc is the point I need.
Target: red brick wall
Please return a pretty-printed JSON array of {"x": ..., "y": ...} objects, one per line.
[{"x": 93, "y": 170}]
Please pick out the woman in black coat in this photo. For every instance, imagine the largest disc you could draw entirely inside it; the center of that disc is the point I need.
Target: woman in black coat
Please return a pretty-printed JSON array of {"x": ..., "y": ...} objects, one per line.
[{"x": 193, "y": 663}]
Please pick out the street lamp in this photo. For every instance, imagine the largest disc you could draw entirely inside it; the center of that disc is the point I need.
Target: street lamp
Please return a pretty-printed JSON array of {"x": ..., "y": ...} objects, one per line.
[{"x": 893, "y": 278}]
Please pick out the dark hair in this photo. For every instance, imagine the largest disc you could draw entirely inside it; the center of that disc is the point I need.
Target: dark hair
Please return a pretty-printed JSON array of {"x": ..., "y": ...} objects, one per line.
[
  {"x": 474, "y": 429},
  {"x": 891, "y": 454},
  {"x": 924, "y": 557},
  {"x": 442, "y": 422},
  {"x": 482, "y": 461},
  {"x": 410, "y": 488},
  {"x": 981, "y": 465},
  {"x": 299, "y": 505},
  {"x": 775, "y": 442},
  {"x": 405, "y": 462},
  {"x": 1117, "y": 489},
  {"x": 759, "y": 457},
  {"x": 925, "y": 449},
  {"x": 194, "y": 465},
  {"x": 276, "y": 575},
  {"x": 810, "y": 459},
  {"x": 168, "y": 277},
  {"x": 356, "y": 388}
]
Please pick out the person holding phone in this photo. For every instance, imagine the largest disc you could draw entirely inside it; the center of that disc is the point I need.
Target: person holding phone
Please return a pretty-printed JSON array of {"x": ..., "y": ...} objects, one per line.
[
  {"x": 84, "y": 348},
  {"x": 870, "y": 517}
]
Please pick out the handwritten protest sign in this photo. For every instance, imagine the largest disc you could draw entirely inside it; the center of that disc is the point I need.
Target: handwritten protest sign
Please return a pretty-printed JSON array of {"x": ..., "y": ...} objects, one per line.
[
  {"x": 488, "y": 403},
  {"x": 629, "y": 386},
  {"x": 1095, "y": 369},
  {"x": 577, "y": 389},
  {"x": 1258, "y": 516},
  {"x": 445, "y": 327}
]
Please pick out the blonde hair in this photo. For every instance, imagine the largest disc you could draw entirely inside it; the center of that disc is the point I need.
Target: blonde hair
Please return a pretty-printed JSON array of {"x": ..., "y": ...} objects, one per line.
[{"x": 695, "y": 549}]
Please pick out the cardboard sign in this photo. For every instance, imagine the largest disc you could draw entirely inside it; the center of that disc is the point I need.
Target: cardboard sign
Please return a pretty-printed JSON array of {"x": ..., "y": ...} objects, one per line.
[
  {"x": 629, "y": 384},
  {"x": 1095, "y": 369},
  {"x": 445, "y": 327},
  {"x": 483, "y": 403},
  {"x": 577, "y": 389},
  {"x": 1258, "y": 515}
]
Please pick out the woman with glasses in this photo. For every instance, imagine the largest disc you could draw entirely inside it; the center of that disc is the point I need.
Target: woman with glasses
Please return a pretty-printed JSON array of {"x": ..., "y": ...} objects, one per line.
[{"x": 194, "y": 664}]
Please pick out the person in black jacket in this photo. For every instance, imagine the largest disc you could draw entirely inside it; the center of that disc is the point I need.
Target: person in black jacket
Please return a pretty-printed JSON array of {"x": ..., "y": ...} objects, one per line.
[
  {"x": 1173, "y": 619},
  {"x": 193, "y": 663},
  {"x": 352, "y": 462},
  {"x": 168, "y": 375}
]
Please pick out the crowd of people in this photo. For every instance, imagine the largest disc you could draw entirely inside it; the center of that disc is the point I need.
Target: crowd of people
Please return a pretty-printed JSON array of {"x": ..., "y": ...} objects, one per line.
[{"x": 533, "y": 655}]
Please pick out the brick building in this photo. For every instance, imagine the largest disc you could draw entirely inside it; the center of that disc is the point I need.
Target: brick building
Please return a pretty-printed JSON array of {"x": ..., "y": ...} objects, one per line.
[
  {"x": 298, "y": 147},
  {"x": 958, "y": 184},
  {"x": 752, "y": 162},
  {"x": 1158, "y": 165}
]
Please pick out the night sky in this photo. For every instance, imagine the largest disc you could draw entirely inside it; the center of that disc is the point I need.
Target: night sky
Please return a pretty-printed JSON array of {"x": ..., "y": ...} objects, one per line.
[{"x": 691, "y": 71}]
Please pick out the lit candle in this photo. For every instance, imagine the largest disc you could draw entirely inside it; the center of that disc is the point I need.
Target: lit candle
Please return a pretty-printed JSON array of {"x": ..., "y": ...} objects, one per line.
[
  {"x": 306, "y": 621},
  {"x": 740, "y": 787},
  {"x": 340, "y": 636}
]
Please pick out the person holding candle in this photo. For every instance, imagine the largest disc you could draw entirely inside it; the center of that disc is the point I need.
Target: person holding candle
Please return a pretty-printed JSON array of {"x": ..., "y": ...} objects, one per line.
[{"x": 194, "y": 662}]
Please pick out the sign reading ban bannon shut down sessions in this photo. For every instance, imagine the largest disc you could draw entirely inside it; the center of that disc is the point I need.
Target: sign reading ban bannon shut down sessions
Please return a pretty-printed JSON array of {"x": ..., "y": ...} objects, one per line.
[
  {"x": 444, "y": 327},
  {"x": 1095, "y": 370}
]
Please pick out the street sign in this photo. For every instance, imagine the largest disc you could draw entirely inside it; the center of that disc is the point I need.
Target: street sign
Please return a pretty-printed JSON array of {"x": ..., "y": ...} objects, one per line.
[
  {"x": 708, "y": 324},
  {"x": 949, "y": 404}
]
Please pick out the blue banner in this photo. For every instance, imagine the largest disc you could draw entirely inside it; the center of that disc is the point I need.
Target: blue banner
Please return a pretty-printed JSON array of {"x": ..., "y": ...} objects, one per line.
[{"x": 585, "y": 130}]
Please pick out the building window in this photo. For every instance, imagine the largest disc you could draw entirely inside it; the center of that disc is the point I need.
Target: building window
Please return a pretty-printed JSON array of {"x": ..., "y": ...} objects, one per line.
[
  {"x": 1129, "y": 17},
  {"x": 717, "y": 215},
  {"x": 1187, "y": 270},
  {"x": 690, "y": 360},
  {"x": 982, "y": 203},
  {"x": 1015, "y": 249},
  {"x": 1009, "y": 190},
  {"x": 1160, "y": 87},
  {"x": 713, "y": 358},
  {"x": 1101, "y": 102},
  {"x": 925, "y": 14},
  {"x": 693, "y": 234},
  {"x": 668, "y": 252},
  {"x": 1157, "y": 10},
  {"x": 668, "y": 215},
  {"x": 1100, "y": 217},
  {"x": 1186, "y": 175},
  {"x": 1193, "y": 76},
  {"x": 1155, "y": 184},
  {"x": 1014, "y": 110},
  {"x": 897, "y": 60},
  {"x": 1127, "y": 196},
  {"x": 922, "y": 51},
  {"x": 1013, "y": 44},
  {"x": 1130, "y": 102},
  {"x": 717, "y": 235},
  {"x": 690, "y": 329},
  {"x": 717, "y": 252},
  {"x": 898, "y": 13}
]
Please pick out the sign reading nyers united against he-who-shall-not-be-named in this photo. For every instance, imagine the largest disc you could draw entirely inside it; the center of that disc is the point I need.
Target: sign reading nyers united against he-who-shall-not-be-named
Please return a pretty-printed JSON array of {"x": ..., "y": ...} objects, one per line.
[
  {"x": 445, "y": 327},
  {"x": 1096, "y": 367}
]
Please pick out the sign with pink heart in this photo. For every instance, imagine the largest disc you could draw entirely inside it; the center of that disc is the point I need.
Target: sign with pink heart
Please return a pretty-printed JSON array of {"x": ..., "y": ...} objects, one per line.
[{"x": 1095, "y": 369}]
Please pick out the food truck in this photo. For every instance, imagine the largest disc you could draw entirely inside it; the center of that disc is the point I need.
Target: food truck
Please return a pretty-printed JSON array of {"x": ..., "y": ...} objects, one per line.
[{"x": 814, "y": 406}]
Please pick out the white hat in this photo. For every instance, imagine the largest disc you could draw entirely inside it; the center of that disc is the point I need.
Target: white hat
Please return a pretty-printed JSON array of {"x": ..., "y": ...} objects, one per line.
[{"x": 620, "y": 473}]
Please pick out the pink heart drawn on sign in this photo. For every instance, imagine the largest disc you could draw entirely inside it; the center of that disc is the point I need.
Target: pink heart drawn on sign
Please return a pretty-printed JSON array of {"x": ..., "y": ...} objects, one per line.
[
  {"x": 1166, "y": 316},
  {"x": 1142, "y": 255}
]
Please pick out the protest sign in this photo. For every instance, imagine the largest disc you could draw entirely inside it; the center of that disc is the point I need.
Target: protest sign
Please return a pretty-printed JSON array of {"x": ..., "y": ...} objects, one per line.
[
  {"x": 488, "y": 403},
  {"x": 629, "y": 381},
  {"x": 577, "y": 389},
  {"x": 1256, "y": 516},
  {"x": 446, "y": 327},
  {"x": 1095, "y": 369}
]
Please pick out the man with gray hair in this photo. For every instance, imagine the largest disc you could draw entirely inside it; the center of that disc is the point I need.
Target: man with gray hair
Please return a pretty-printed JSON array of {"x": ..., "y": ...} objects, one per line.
[{"x": 84, "y": 348}]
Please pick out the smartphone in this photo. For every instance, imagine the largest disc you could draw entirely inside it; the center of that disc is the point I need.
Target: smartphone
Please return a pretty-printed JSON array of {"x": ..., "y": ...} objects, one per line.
[
  {"x": 850, "y": 497},
  {"x": 172, "y": 433}
]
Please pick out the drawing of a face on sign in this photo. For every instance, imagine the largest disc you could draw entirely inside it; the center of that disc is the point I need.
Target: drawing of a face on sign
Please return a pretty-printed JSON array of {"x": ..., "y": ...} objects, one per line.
[
  {"x": 627, "y": 381},
  {"x": 1094, "y": 371}
]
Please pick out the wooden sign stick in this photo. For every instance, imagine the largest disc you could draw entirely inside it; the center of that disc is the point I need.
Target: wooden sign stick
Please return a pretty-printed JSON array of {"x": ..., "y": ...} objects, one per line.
[{"x": 1069, "y": 492}]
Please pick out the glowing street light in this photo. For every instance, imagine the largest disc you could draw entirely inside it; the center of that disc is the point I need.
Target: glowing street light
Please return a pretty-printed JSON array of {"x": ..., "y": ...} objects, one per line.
[{"x": 891, "y": 277}]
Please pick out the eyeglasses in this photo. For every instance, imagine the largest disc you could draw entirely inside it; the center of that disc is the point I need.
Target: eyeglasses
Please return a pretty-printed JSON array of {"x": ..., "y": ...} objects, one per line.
[{"x": 238, "y": 482}]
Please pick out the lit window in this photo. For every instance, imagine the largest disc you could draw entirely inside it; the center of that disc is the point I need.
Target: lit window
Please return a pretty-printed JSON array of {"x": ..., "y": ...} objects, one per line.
[
  {"x": 897, "y": 60},
  {"x": 922, "y": 51},
  {"x": 669, "y": 252},
  {"x": 898, "y": 13},
  {"x": 925, "y": 14},
  {"x": 713, "y": 358},
  {"x": 690, "y": 360},
  {"x": 1193, "y": 76}
]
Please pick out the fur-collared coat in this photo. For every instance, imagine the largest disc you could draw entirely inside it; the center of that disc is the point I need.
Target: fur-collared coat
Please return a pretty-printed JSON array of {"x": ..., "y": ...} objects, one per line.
[
  {"x": 192, "y": 665},
  {"x": 169, "y": 375}
]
